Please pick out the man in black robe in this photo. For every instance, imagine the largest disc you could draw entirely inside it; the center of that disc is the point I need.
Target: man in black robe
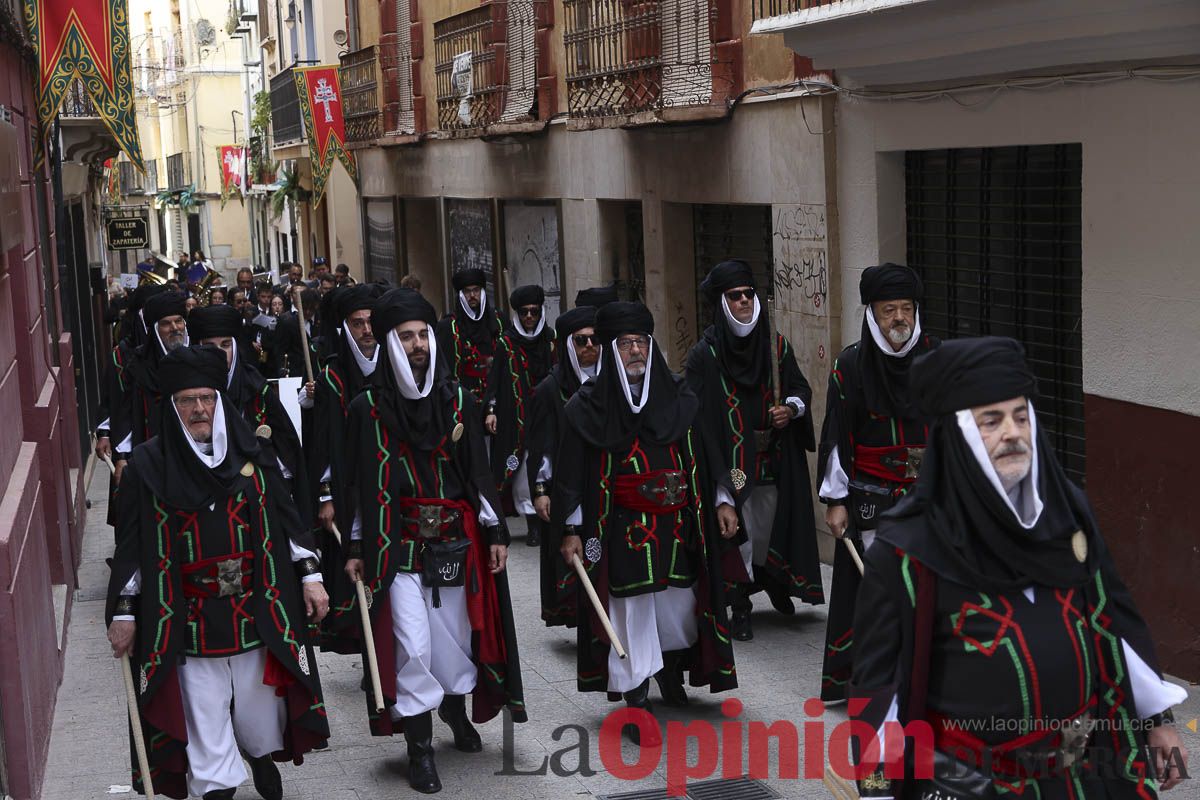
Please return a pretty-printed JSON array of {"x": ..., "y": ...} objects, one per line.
[
  {"x": 628, "y": 503},
  {"x": 467, "y": 335},
  {"x": 871, "y": 443},
  {"x": 256, "y": 398},
  {"x": 135, "y": 417},
  {"x": 524, "y": 354},
  {"x": 212, "y": 580},
  {"x": 289, "y": 345},
  {"x": 544, "y": 431},
  {"x": 992, "y": 611},
  {"x": 755, "y": 445},
  {"x": 429, "y": 545}
]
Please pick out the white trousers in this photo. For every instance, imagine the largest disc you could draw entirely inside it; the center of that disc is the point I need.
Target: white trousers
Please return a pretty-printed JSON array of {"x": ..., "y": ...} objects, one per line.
[
  {"x": 758, "y": 515},
  {"x": 433, "y": 645},
  {"x": 647, "y": 625},
  {"x": 520, "y": 488},
  {"x": 210, "y": 686}
]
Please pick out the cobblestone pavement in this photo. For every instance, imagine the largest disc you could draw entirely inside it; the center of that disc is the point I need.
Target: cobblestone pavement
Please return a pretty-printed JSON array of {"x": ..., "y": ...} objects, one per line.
[{"x": 778, "y": 671}]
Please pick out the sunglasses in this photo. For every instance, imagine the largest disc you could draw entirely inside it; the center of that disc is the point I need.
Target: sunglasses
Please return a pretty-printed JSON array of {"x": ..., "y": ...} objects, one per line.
[
  {"x": 530, "y": 311},
  {"x": 739, "y": 294},
  {"x": 584, "y": 339}
]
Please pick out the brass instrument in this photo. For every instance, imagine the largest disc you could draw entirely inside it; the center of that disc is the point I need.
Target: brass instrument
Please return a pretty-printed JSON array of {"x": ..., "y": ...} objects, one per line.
[
  {"x": 150, "y": 276},
  {"x": 203, "y": 288}
]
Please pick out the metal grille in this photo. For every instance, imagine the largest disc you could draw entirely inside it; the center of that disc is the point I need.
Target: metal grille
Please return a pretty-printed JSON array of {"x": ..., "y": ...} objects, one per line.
[
  {"x": 287, "y": 124},
  {"x": 614, "y": 56},
  {"x": 396, "y": 68},
  {"x": 775, "y": 8},
  {"x": 726, "y": 789},
  {"x": 359, "y": 76},
  {"x": 467, "y": 35},
  {"x": 77, "y": 102},
  {"x": 996, "y": 235},
  {"x": 380, "y": 222},
  {"x": 725, "y": 232}
]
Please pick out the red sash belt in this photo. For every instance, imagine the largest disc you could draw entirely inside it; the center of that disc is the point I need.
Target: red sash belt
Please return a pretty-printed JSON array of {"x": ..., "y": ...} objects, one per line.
[
  {"x": 900, "y": 463},
  {"x": 221, "y": 576},
  {"x": 662, "y": 491}
]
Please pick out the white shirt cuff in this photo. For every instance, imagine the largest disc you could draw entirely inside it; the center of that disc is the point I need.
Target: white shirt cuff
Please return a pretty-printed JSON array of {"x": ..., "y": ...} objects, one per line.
[
  {"x": 723, "y": 496},
  {"x": 837, "y": 483},
  {"x": 305, "y": 401},
  {"x": 487, "y": 516},
  {"x": 356, "y": 527},
  {"x": 545, "y": 470},
  {"x": 1152, "y": 695},
  {"x": 576, "y": 516},
  {"x": 797, "y": 403},
  {"x": 126, "y": 444}
]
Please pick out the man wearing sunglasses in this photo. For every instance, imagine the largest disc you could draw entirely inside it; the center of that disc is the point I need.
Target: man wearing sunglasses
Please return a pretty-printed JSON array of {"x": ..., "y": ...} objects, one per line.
[
  {"x": 467, "y": 335},
  {"x": 544, "y": 428},
  {"x": 524, "y": 355},
  {"x": 757, "y": 454}
]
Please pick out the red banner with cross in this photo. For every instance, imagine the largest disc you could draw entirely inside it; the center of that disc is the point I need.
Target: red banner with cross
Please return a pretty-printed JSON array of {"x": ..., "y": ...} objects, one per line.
[{"x": 320, "y": 95}]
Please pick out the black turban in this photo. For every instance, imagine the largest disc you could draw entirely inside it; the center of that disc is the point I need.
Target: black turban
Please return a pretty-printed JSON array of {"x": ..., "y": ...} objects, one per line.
[
  {"x": 596, "y": 296},
  {"x": 531, "y": 295},
  {"x": 143, "y": 293},
  {"x": 890, "y": 282},
  {"x": 348, "y": 299},
  {"x": 576, "y": 319},
  {"x": 468, "y": 277},
  {"x": 725, "y": 276},
  {"x": 197, "y": 367},
  {"x": 965, "y": 373},
  {"x": 213, "y": 322},
  {"x": 397, "y": 306},
  {"x": 617, "y": 318},
  {"x": 166, "y": 304}
]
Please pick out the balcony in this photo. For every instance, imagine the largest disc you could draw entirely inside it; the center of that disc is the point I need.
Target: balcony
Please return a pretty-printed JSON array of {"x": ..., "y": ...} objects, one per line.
[
  {"x": 84, "y": 134},
  {"x": 359, "y": 76},
  {"x": 636, "y": 60},
  {"x": 77, "y": 103},
  {"x": 891, "y": 42},
  {"x": 485, "y": 66},
  {"x": 287, "y": 124},
  {"x": 179, "y": 171}
]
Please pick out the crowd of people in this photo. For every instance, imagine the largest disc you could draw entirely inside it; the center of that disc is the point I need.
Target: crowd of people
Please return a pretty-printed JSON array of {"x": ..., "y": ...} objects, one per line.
[{"x": 245, "y": 542}]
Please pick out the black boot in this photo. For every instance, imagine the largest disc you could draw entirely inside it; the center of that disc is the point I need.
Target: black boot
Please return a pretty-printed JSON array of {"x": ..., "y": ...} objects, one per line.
[
  {"x": 453, "y": 712},
  {"x": 422, "y": 772},
  {"x": 739, "y": 618},
  {"x": 220, "y": 794},
  {"x": 780, "y": 599},
  {"x": 640, "y": 698},
  {"x": 266, "y": 777},
  {"x": 534, "y": 523},
  {"x": 670, "y": 679}
]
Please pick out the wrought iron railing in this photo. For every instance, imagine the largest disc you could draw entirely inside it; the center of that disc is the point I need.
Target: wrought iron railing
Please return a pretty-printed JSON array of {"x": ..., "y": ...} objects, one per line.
[
  {"x": 469, "y": 86},
  {"x": 775, "y": 8},
  {"x": 287, "y": 124},
  {"x": 179, "y": 171},
  {"x": 625, "y": 57},
  {"x": 359, "y": 75},
  {"x": 77, "y": 103}
]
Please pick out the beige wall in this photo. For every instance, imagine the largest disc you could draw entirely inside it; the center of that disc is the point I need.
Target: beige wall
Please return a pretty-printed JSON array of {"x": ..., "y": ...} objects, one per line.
[{"x": 1141, "y": 200}]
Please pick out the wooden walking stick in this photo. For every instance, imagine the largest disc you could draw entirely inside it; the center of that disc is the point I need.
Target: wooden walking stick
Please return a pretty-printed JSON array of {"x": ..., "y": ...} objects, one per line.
[
  {"x": 776, "y": 377},
  {"x": 853, "y": 553},
  {"x": 303, "y": 336},
  {"x": 135, "y": 722},
  {"x": 112, "y": 469},
  {"x": 839, "y": 787},
  {"x": 600, "y": 612},
  {"x": 368, "y": 632}
]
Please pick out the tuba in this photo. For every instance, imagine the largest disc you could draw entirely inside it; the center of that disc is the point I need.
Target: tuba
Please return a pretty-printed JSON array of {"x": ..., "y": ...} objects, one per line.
[
  {"x": 204, "y": 287},
  {"x": 150, "y": 276}
]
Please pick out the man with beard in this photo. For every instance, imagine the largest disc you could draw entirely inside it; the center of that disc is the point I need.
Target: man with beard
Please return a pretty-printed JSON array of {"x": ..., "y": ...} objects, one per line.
[
  {"x": 996, "y": 551},
  {"x": 524, "y": 355},
  {"x": 628, "y": 504},
  {"x": 255, "y": 398},
  {"x": 428, "y": 544},
  {"x": 467, "y": 336},
  {"x": 212, "y": 580},
  {"x": 136, "y": 414},
  {"x": 871, "y": 443},
  {"x": 543, "y": 433},
  {"x": 755, "y": 447}
]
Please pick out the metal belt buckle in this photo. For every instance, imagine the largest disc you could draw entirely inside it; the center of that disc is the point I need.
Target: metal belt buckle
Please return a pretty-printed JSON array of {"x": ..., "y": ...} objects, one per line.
[
  {"x": 668, "y": 490},
  {"x": 429, "y": 521},
  {"x": 1075, "y": 736},
  {"x": 229, "y": 577},
  {"x": 762, "y": 439},
  {"x": 912, "y": 466}
]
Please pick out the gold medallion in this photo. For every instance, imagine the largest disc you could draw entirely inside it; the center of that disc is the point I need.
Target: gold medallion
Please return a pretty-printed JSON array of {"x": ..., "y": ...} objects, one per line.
[
  {"x": 458, "y": 432},
  {"x": 247, "y": 470},
  {"x": 1080, "y": 545},
  {"x": 739, "y": 479},
  {"x": 263, "y": 431}
]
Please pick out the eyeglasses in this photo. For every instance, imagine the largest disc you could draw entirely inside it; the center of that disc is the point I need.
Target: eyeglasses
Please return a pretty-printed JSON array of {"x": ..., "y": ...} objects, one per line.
[
  {"x": 530, "y": 311},
  {"x": 584, "y": 339},
  {"x": 197, "y": 400},
  {"x": 626, "y": 343},
  {"x": 739, "y": 294}
]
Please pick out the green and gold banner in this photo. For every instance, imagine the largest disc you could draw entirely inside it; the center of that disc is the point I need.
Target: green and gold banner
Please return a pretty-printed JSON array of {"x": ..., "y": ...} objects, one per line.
[{"x": 88, "y": 41}]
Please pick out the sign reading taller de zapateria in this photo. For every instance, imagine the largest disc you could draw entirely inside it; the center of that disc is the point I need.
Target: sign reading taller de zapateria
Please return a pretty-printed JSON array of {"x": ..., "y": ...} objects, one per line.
[{"x": 127, "y": 233}]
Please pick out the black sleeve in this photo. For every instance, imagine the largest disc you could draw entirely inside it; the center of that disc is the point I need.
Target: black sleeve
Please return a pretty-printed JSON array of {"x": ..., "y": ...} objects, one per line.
[
  {"x": 569, "y": 468},
  {"x": 497, "y": 375},
  {"x": 539, "y": 430},
  {"x": 471, "y": 449},
  {"x": 127, "y": 557}
]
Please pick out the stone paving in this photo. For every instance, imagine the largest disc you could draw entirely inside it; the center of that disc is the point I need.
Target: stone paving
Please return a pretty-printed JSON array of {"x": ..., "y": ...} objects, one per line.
[{"x": 778, "y": 671}]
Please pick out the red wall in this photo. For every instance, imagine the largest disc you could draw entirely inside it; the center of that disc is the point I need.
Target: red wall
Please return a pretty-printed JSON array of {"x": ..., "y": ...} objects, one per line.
[{"x": 1141, "y": 479}]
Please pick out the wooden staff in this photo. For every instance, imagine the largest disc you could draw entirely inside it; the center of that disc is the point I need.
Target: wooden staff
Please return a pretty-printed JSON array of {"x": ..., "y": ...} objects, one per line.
[
  {"x": 112, "y": 469},
  {"x": 368, "y": 632},
  {"x": 303, "y": 335},
  {"x": 853, "y": 553},
  {"x": 776, "y": 378},
  {"x": 839, "y": 787},
  {"x": 600, "y": 612},
  {"x": 135, "y": 722}
]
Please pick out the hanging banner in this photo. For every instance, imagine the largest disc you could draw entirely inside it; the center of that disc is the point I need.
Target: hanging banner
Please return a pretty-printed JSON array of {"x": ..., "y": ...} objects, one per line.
[
  {"x": 84, "y": 41},
  {"x": 320, "y": 94},
  {"x": 232, "y": 159}
]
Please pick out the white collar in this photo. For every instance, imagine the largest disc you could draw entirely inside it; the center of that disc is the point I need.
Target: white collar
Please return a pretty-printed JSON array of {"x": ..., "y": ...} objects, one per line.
[
  {"x": 882, "y": 341},
  {"x": 582, "y": 373},
  {"x": 219, "y": 445},
  {"x": 402, "y": 370},
  {"x": 462, "y": 302},
  {"x": 232, "y": 365},
  {"x": 1026, "y": 492},
  {"x": 740, "y": 329},
  {"x": 520, "y": 329},
  {"x": 142, "y": 319},
  {"x": 635, "y": 406},
  {"x": 365, "y": 365}
]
